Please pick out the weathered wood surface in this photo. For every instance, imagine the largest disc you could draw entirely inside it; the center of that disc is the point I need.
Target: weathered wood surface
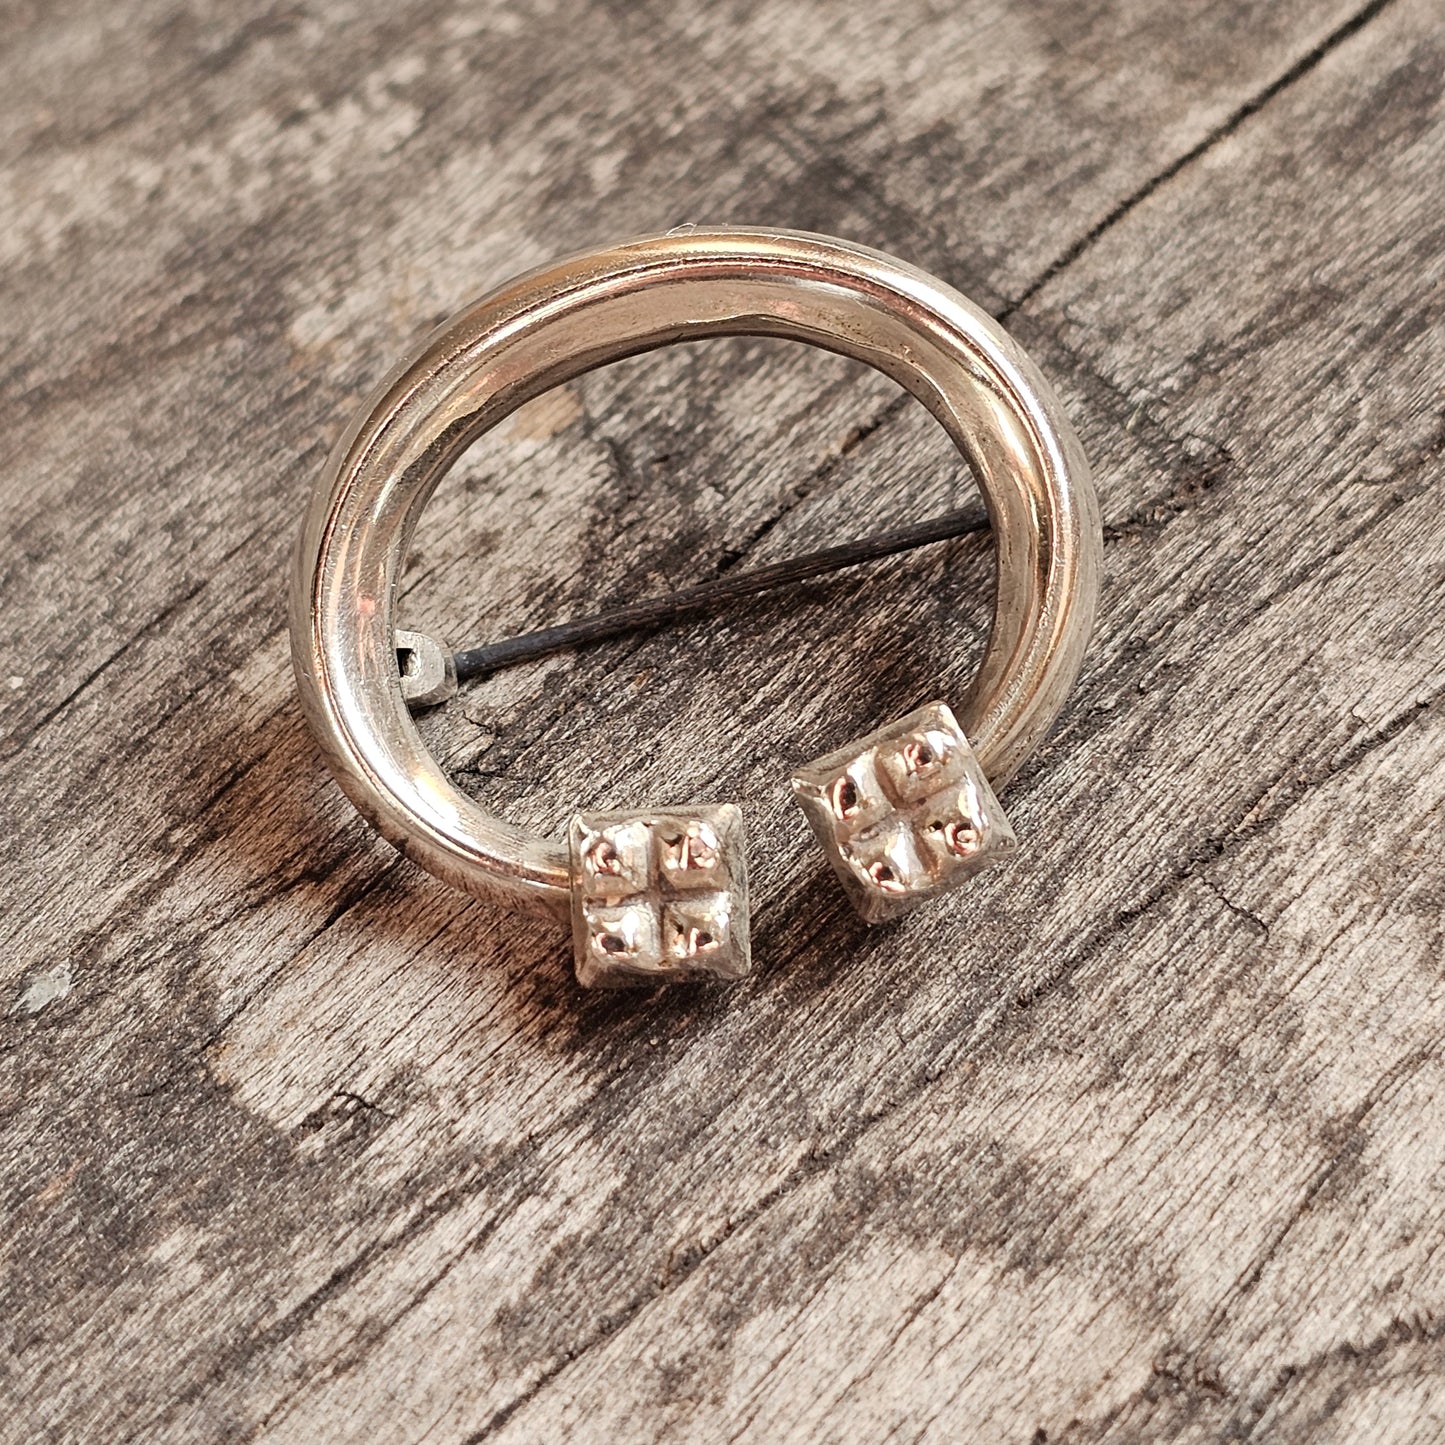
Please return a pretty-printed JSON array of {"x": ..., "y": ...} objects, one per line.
[{"x": 1141, "y": 1142}]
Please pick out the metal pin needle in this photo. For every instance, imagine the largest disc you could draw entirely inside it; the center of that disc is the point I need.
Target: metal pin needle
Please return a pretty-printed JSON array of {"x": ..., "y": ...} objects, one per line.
[{"x": 656, "y": 612}]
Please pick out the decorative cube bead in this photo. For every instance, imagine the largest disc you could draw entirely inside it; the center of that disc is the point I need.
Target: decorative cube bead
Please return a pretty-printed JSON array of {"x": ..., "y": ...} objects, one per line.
[
  {"x": 905, "y": 813},
  {"x": 659, "y": 897}
]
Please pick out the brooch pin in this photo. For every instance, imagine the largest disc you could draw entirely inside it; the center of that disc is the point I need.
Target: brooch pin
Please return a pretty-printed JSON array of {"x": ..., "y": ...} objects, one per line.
[{"x": 904, "y": 814}]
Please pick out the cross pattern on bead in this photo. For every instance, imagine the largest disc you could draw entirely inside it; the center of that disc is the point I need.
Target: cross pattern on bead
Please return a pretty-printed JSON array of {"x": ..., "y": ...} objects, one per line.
[
  {"x": 659, "y": 897},
  {"x": 904, "y": 813}
]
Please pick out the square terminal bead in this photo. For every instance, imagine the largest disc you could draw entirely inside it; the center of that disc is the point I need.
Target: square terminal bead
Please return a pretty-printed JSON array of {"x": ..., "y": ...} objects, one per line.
[
  {"x": 659, "y": 897},
  {"x": 905, "y": 813}
]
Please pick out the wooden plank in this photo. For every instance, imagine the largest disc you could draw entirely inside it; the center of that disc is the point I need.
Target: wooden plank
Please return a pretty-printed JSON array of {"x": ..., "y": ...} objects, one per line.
[{"x": 1137, "y": 1143}]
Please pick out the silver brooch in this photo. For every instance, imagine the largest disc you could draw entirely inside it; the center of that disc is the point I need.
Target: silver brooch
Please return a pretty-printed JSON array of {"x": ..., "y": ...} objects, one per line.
[{"x": 903, "y": 815}]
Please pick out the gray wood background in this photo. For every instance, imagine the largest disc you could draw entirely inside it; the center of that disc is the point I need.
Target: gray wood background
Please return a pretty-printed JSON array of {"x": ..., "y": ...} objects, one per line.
[{"x": 1142, "y": 1141}]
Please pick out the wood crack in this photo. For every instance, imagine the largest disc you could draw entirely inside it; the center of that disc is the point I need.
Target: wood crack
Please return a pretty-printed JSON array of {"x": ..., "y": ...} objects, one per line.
[
  {"x": 1255, "y": 922},
  {"x": 1296, "y": 72}
]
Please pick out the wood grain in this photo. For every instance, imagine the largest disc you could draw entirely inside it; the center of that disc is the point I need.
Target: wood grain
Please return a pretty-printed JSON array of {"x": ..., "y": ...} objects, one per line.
[{"x": 1141, "y": 1142}]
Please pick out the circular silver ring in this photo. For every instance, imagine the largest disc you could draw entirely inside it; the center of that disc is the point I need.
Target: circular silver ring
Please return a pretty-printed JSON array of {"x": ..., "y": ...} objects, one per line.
[{"x": 553, "y": 324}]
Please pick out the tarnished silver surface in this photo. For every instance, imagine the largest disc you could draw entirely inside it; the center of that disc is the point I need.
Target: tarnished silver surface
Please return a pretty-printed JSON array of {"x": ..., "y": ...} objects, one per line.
[
  {"x": 549, "y": 326},
  {"x": 428, "y": 669},
  {"x": 659, "y": 897},
  {"x": 905, "y": 813}
]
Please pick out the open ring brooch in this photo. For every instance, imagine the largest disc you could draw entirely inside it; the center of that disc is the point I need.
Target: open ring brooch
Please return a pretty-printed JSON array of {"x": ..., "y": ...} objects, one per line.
[{"x": 903, "y": 814}]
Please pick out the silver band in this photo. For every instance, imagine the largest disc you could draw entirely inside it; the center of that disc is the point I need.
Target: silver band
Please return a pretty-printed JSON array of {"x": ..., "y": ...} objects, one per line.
[{"x": 547, "y": 327}]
